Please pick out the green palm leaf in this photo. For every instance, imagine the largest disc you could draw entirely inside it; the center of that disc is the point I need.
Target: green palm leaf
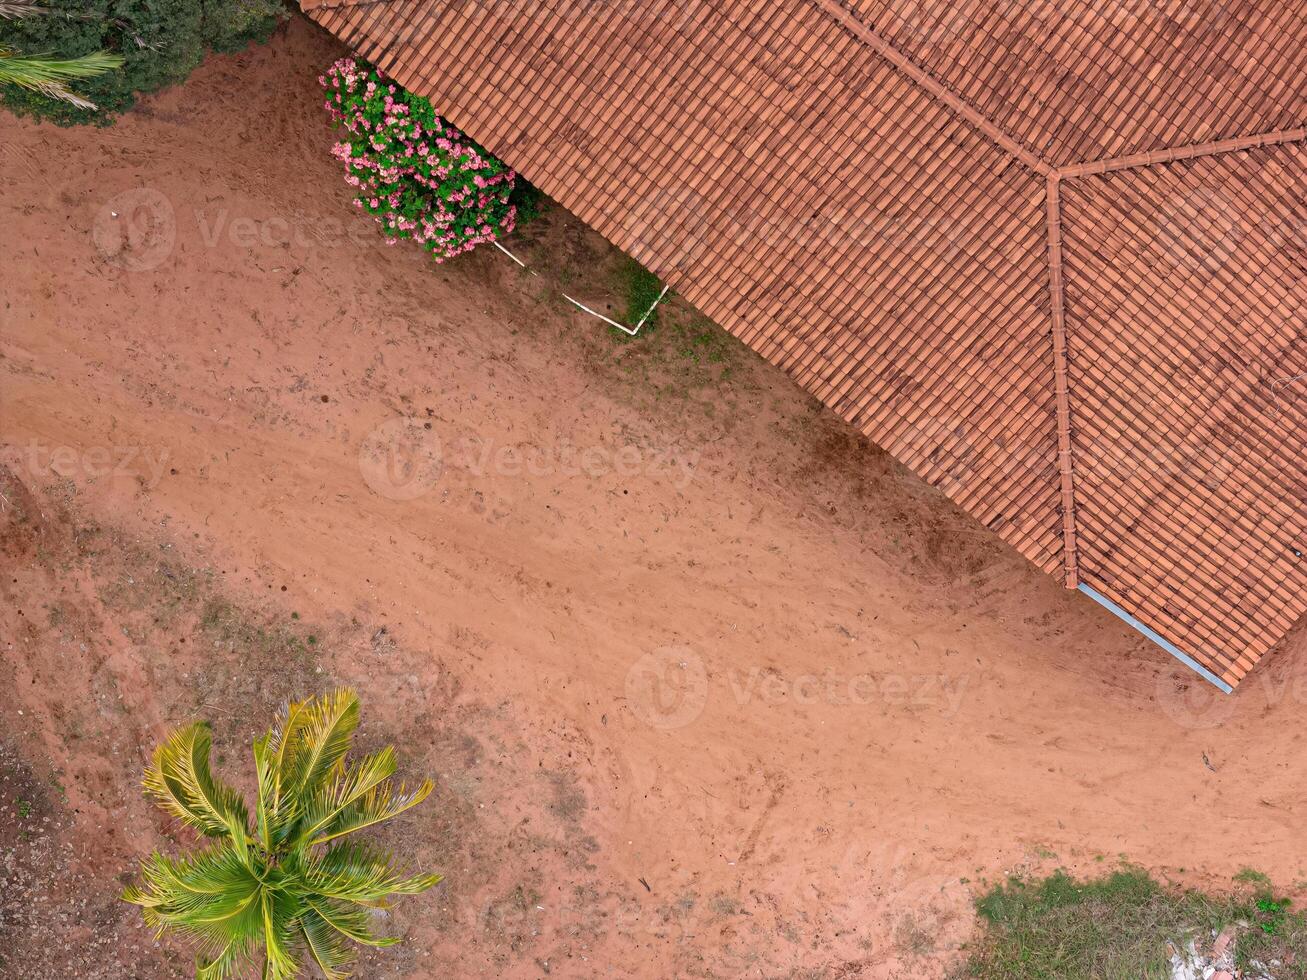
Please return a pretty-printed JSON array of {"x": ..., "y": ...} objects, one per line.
[
  {"x": 278, "y": 920},
  {"x": 347, "y": 787},
  {"x": 212, "y": 897},
  {"x": 380, "y": 804},
  {"x": 328, "y": 727},
  {"x": 50, "y": 76},
  {"x": 327, "y": 948},
  {"x": 274, "y": 760},
  {"x": 230, "y": 961},
  {"x": 356, "y": 873},
  {"x": 278, "y": 897},
  {"x": 181, "y": 782},
  {"x": 350, "y": 921}
]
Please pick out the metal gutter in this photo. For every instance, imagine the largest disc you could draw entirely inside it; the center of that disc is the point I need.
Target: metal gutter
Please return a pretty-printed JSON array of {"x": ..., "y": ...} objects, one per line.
[{"x": 1157, "y": 638}]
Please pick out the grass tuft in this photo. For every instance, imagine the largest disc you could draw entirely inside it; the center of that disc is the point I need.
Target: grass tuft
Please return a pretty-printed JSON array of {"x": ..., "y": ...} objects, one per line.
[
  {"x": 642, "y": 289},
  {"x": 1117, "y": 928}
]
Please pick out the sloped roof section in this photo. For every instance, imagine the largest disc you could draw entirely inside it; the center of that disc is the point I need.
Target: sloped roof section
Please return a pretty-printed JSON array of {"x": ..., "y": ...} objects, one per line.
[
  {"x": 1088, "y": 79},
  {"x": 993, "y": 237},
  {"x": 1186, "y": 294}
]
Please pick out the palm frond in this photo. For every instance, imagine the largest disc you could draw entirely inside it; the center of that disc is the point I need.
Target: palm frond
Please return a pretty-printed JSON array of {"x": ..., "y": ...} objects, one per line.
[
  {"x": 350, "y": 921},
  {"x": 380, "y": 804},
  {"x": 274, "y": 760},
  {"x": 49, "y": 76},
  {"x": 356, "y": 873},
  {"x": 193, "y": 883},
  {"x": 347, "y": 786},
  {"x": 279, "y": 913},
  {"x": 13, "y": 9},
  {"x": 231, "y": 961},
  {"x": 211, "y": 897},
  {"x": 329, "y": 949},
  {"x": 181, "y": 782},
  {"x": 329, "y": 725}
]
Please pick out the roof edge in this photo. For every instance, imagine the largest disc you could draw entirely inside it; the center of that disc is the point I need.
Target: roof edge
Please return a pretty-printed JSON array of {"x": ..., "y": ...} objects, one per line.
[{"x": 1157, "y": 638}]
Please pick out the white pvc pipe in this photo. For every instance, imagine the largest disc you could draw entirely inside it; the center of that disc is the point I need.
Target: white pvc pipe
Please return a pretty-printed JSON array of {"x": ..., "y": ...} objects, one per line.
[{"x": 632, "y": 331}]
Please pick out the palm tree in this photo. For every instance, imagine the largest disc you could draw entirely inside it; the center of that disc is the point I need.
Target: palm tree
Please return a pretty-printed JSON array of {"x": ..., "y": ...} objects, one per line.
[
  {"x": 49, "y": 76},
  {"x": 290, "y": 887}
]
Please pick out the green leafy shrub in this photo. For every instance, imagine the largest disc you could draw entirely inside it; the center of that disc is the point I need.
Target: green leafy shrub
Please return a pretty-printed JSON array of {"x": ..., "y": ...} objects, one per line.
[
  {"x": 415, "y": 173},
  {"x": 160, "y": 41},
  {"x": 287, "y": 886},
  {"x": 230, "y": 25}
]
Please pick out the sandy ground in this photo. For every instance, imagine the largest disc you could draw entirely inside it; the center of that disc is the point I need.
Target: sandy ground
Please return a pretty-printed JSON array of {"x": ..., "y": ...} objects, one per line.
[{"x": 711, "y": 687}]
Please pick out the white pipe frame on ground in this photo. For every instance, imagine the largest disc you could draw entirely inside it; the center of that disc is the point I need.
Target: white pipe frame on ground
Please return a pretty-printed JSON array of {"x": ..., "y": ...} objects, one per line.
[{"x": 632, "y": 331}]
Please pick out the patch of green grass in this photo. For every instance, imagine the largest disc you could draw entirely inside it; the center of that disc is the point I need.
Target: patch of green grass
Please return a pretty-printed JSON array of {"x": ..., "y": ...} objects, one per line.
[
  {"x": 703, "y": 342},
  {"x": 642, "y": 288},
  {"x": 1117, "y": 927}
]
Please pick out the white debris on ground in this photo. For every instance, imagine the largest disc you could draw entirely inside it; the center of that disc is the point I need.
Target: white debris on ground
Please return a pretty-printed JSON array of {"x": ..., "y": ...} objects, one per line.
[{"x": 1218, "y": 962}]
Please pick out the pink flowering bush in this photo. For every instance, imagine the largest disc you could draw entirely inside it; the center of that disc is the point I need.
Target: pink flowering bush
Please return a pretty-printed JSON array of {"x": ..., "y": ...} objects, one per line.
[{"x": 416, "y": 174}]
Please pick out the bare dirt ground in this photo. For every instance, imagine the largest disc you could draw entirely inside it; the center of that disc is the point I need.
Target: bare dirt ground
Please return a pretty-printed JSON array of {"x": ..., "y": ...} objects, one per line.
[{"x": 710, "y": 686}]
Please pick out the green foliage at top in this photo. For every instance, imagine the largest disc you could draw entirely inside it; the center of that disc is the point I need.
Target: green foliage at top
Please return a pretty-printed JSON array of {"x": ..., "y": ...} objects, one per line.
[
  {"x": 160, "y": 42},
  {"x": 285, "y": 884},
  {"x": 1117, "y": 928}
]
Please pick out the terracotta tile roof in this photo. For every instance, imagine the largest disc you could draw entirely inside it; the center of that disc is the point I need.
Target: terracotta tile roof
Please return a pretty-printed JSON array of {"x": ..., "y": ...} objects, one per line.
[{"x": 1051, "y": 259}]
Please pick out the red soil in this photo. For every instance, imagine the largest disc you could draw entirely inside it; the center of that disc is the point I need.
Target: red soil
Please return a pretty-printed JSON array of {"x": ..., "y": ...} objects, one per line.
[{"x": 711, "y": 687}]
